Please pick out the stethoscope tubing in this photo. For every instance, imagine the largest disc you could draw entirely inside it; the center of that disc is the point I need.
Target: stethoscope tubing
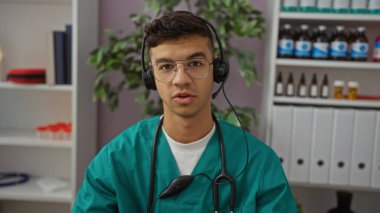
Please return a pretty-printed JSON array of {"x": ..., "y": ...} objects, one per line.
[{"x": 216, "y": 182}]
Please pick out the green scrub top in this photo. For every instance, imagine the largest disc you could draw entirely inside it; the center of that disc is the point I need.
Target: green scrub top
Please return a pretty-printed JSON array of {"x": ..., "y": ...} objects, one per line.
[{"x": 117, "y": 179}]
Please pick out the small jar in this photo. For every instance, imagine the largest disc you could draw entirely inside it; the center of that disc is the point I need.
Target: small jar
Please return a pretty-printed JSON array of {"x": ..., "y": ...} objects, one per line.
[
  {"x": 338, "y": 89},
  {"x": 353, "y": 90}
]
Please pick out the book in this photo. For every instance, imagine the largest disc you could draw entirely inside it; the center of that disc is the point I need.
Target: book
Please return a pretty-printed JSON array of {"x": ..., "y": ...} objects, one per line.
[
  {"x": 59, "y": 56},
  {"x": 68, "y": 73}
]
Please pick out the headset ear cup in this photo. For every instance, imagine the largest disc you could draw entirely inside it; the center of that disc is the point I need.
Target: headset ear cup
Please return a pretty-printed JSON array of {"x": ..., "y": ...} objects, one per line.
[
  {"x": 148, "y": 78},
  {"x": 221, "y": 69}
]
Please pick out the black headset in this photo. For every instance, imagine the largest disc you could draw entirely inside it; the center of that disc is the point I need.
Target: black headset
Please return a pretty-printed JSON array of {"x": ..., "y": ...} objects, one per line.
[{"x": 221, "y": 66}]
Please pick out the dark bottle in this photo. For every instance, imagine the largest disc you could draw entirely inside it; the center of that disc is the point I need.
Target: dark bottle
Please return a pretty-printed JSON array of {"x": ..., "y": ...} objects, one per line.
[
  {"x": 313, "y": 90},
  {"x": 285, "y": 42},
  {"x": 303, "y": 43},
  {"x": 320, "y": 47},
  {"x": 344, "y": 203},
  {"x": 279, "y": 88},
  {"x": 289, "y": 91},
  {"x": 339, "y": 45},
  {"x": 325, "y": 89},
  {"x": 302, "y": 91},
  {"x": 359, "y": 46},
  {"x": 351, "y": 39}
]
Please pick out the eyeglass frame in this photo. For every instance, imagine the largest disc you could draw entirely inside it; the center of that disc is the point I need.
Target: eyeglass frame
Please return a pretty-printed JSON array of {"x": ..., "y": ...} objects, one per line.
[{"x": 175, "y": 69}]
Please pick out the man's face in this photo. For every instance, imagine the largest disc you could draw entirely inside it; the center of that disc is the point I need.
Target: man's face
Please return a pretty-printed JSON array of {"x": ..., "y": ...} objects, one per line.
[{"x": 184, "y": 95}]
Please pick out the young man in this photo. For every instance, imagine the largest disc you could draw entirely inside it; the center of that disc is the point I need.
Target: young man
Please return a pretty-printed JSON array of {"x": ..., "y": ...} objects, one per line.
[{"x": 213, "y": 166}]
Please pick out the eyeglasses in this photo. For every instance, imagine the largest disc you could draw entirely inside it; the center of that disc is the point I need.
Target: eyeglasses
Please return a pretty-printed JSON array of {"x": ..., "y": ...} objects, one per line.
[{"x": 195, "y": 67}]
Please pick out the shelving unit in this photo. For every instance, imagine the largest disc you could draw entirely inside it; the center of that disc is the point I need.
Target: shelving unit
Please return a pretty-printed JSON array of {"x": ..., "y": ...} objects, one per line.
[
  {"x": 297, "y": 121},
  {"x": 26, "y": 25}
]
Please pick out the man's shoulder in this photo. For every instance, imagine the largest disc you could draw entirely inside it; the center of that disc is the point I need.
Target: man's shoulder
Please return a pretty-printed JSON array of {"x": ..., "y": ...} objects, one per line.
[
  {"x": 141, "y": 131},
  {"x": 257, "y": 147}
]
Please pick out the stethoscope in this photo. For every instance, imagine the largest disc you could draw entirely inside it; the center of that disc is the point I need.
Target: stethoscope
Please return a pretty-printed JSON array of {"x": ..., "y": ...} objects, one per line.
[{"x": 181, "y": 182}]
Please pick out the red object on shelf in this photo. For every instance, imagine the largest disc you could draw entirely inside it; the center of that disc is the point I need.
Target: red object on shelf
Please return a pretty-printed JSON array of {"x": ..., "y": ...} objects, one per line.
[{"x": 27, "y": 76}]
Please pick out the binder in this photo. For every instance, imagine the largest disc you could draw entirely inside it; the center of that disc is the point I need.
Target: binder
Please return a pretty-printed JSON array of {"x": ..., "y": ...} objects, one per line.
[
  {"x": 301, "y": 144},
  {"x": 281, "y": 134},
  {"x": 321, "y": 145},
  {"x": 375, "y": 177},
  {"x": 341, "y": 146},
  {"x": 68, "y": 53},
  {"x": 364, "y": 136},
  {"x": 59, "y": 56}
]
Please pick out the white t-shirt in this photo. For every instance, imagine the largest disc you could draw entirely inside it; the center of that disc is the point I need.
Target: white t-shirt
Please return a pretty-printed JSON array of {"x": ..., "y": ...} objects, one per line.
[{"x": 187, "y": 155}]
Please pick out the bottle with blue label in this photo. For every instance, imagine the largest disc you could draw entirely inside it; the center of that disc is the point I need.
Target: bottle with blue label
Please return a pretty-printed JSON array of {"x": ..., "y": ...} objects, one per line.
[
  {"x": 339, "y": 46},
  {"x": 341, "y": 6},
  {"x": 374, "y": 6},
  {"x": 359, "y": 48},
  {"x": 303, "y": 43},
  {"x": 320, "y": 44},
  {"x": 324, "y": 6},
  {"x": 351, "y": 39},
  {"x": 307, "y": 6},
  {"x": 285, "y": 42},
  {"x": 359, "y": 6},
  {"x": 289, "y": 5}
]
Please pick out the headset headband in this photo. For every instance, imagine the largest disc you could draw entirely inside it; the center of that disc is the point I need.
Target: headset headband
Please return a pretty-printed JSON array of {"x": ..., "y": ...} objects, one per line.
[{"x": 199, "y": 18}]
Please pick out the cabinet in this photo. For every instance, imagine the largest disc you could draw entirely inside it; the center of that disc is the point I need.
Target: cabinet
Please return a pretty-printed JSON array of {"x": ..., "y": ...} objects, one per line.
[
  {"x": 24, "y": 27},
  {"x": 272, "y": 121}
]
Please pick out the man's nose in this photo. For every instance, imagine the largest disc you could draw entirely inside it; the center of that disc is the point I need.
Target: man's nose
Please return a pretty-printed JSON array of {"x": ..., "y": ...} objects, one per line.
[{"x": 181, "y": 76}]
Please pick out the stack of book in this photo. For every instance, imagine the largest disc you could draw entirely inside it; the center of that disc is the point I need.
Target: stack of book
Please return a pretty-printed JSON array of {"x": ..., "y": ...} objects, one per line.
[{"x": 60, "y": 51}]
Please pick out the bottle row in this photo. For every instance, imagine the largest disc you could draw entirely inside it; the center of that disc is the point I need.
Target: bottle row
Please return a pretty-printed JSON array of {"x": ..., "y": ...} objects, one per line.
[
  {"x": 332, "y": 6},
  {"x": 314, "y": 90},
  {"x": 319, "y": 44}
]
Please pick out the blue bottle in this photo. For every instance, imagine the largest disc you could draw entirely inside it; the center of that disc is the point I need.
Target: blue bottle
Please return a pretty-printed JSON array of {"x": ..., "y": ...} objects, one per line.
[
  {"x": 320, "y": 44},
  {"x": 339, "y": 45},
  {"x": 303, "y": 43},
  {"x": 285, "y": 42}
]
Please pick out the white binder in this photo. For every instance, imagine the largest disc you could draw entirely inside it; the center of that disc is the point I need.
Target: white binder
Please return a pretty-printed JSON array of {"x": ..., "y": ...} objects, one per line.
[
  {"x": 364, "y": 136},
  {"x": 281, "y": 133},
  {"x": 375, "y": 177},
  {"x": 341, "y": 146},
  {"x": 321, "y": 145},
  {"x": 301, "y": 144}
]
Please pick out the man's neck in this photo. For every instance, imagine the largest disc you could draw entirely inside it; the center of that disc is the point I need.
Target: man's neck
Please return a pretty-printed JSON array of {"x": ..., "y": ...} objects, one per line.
[{"x": 189, "y": 129}]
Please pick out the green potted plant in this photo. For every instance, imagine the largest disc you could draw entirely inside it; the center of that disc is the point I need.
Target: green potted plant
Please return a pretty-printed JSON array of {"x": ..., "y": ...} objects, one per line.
[{"x": 121, "y": 53}]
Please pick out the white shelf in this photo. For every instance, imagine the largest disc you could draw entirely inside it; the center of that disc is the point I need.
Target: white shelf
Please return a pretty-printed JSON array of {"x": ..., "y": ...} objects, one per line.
[
  {"x": 330, "y": 17},
  {"x": 39, "y": 87},
  {"x": 335, "y": 187},
  {"x": 37, "y": 1},
  {"x": 328, "y": 64},
  {"x": 327, "y": 102},
  {"x": 28, "y": 138},
  {"x": 30, "y": 191}
]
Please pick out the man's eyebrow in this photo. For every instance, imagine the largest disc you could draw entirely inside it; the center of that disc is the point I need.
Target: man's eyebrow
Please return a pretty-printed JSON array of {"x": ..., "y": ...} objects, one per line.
[{"x": 193, "y": 55}]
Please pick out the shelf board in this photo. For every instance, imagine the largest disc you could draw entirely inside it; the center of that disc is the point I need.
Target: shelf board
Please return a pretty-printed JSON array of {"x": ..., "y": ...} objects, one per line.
[
  {"x": 327, "y": 102},
  {"x": 37, "y": 1},
  {"x": 335, "y": 187},
  {"x": 328, "y": 64},
  {"x": 43, "y": 87},
  {"x": 331, "y": 17},
  {"x": 28, "y": 138},
  {"x": 30, "y": 191}
]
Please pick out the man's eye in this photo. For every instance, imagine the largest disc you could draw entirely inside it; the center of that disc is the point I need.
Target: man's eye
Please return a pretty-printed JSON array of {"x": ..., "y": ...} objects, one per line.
[
  {"x": 195, "y": 63},
  {"x": 166, "y": 67}
]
